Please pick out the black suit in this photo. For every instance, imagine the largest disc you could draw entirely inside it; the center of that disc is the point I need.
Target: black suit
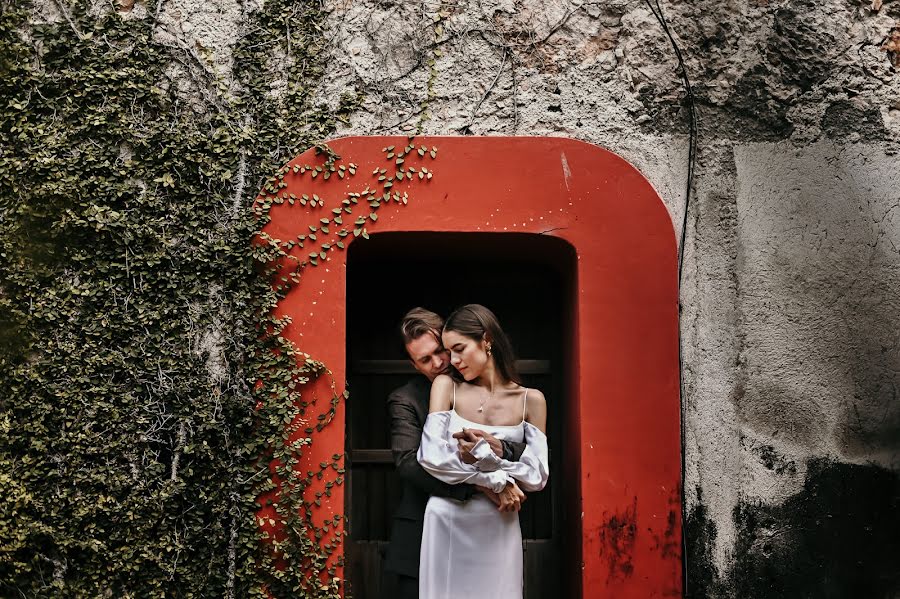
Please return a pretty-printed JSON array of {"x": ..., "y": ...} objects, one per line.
[{"x": 408, "y": 407}]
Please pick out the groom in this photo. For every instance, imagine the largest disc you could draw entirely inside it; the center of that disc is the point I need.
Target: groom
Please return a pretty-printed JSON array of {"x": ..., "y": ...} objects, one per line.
[{"x": 408, "y": 407}]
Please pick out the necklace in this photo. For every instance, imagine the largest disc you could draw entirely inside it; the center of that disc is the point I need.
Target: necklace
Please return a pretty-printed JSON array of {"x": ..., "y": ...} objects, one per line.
[{"x": 491, "y": 397}]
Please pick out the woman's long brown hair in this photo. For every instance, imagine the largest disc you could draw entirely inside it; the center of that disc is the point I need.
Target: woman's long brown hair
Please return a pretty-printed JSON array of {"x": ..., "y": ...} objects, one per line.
[{"x": 477, "y": 322}]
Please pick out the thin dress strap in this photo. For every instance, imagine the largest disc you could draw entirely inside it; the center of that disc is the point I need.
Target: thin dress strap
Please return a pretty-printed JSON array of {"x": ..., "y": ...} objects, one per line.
[
  {"x": 524, "y": 403},
  {"x": 454, "y": 396}
]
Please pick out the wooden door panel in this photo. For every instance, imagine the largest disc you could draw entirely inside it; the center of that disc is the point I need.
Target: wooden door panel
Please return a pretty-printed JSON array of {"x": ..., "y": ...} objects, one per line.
[
  {"x": 541, "y": 568},
  {"x": 364, "y": 561}
]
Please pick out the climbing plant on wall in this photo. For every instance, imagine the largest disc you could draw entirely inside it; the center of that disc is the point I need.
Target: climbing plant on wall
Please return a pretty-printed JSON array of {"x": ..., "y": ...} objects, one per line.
[{"x": 142, "y": 371}]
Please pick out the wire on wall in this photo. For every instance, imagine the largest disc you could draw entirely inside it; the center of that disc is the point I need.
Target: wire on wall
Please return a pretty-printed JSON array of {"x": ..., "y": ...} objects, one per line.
[{"x": 657, "y": 11}]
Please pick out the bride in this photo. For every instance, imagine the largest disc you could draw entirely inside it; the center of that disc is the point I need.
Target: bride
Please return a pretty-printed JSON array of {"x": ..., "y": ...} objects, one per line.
[{"x": 474, "y": 548}]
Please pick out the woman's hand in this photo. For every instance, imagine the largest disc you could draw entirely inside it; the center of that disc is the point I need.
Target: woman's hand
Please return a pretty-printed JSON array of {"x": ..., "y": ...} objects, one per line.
[
  {"x": 468, "y": 437},
  {"x": 511, "y": 498},
  {"x": 466, "y": 440}
]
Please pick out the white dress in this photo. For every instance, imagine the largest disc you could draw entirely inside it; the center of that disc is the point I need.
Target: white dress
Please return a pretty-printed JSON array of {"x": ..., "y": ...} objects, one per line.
[{"x": 470, "y": 548}]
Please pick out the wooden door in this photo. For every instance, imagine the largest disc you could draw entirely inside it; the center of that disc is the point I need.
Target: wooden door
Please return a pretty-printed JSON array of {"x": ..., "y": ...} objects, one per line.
[{"x": 527, "y": 281}]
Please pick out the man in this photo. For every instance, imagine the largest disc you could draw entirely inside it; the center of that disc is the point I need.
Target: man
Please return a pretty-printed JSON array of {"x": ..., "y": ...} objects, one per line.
[{"x": 408, "y": 407}]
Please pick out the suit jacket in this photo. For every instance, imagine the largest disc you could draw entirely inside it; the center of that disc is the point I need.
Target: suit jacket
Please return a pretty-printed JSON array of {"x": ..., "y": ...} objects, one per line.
[{"x": 408, "y": 408}]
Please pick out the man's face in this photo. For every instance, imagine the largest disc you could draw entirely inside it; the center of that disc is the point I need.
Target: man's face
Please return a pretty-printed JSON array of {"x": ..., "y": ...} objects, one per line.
[{"x": 428, "y": 355}]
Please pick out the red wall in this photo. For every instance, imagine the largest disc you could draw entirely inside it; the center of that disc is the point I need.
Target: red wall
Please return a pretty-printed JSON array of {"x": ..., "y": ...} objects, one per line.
[{"x": 625, "y": 412}]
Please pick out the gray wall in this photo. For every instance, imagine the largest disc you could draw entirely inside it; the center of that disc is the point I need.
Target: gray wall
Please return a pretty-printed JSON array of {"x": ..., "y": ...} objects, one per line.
[{"x": 791, "y": 286}]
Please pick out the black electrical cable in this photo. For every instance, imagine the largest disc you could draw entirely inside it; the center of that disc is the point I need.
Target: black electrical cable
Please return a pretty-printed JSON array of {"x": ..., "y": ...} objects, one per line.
[{"x": 657, "y": 11}]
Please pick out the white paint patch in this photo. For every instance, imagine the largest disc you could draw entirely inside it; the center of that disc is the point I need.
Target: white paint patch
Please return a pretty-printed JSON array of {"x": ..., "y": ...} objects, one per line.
[{"x": 567, "y": 174}]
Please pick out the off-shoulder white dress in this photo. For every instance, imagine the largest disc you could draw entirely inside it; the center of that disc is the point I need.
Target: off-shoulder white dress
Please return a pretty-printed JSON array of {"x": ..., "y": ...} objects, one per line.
[{"x": 469, "y": 548}]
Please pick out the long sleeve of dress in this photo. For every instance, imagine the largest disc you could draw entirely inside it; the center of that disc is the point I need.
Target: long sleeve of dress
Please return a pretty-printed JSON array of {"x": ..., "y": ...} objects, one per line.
[
  {"x": 531, "y": 470},
  {"x": 439, "y": 456}
]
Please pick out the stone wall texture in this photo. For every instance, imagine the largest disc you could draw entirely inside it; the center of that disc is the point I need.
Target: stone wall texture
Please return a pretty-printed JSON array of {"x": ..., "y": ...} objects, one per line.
[{"x": 791, "y": 281}]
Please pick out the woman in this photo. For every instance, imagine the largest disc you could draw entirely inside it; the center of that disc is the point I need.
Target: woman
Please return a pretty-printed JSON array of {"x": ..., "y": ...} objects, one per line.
[{"x": 474, "y": 548}]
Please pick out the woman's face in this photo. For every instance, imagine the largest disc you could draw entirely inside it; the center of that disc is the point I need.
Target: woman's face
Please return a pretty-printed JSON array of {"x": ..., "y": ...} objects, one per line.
[{"x": 466, "y": 355}]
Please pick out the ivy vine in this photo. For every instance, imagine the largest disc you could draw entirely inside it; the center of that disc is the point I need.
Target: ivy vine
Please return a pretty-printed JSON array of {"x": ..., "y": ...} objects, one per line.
[
  {"x": 293, "y": 491},
  {"x": 143, "y": 374}
]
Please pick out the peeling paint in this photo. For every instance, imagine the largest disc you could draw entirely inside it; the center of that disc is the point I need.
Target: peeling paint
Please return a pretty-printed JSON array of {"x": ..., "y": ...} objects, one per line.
[
  {"x": 669, "y": 543},
  {"x": 567, "y": 174},
  {"x": 616, "y": 537}
]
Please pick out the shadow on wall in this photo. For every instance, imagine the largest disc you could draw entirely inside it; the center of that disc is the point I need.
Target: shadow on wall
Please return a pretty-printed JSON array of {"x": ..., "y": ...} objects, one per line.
[
  {"x": 820, "y": 293},
  {"x": 819, "y": 286},
  {"x": 838, "y": 538}
]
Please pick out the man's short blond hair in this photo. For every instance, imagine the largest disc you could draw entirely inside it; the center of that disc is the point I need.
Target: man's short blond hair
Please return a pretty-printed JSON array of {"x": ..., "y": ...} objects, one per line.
[{"x": 418, "y": 322}]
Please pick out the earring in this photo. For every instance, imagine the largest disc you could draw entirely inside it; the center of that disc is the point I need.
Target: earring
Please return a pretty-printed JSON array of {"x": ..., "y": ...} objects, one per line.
[{"x": 488, "y": 350}]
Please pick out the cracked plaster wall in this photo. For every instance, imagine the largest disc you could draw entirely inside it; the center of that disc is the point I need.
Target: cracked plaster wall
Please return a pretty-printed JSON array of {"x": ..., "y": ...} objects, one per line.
[
  {"x": 791, "y": 289},
  {"x": 792, "y": 270}
]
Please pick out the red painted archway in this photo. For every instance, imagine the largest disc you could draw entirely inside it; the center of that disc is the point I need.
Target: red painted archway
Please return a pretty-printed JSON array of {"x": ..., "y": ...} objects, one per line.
[{"x": 624, "y": 409}]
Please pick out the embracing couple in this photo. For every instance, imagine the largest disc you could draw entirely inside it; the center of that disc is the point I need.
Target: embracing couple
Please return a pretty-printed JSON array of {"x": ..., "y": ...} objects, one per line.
[{"x": 467, "y": 440}]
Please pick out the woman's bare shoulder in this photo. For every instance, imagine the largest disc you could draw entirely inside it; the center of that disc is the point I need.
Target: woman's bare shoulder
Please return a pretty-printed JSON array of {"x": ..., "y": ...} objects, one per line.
[
  {"x": 442, "y": 382},
  {"x": 536, "y": 409},
  {"x": 535, "y": 397},
  {"x": 441, "y": 392}
]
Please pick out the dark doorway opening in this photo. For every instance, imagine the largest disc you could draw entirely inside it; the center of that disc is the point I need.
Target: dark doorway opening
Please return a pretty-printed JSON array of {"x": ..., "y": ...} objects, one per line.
[{"x": 529, "y": 281}]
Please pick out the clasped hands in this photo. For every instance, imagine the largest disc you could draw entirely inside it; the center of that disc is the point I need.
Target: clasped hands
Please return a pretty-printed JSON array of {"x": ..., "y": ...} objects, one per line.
[{"x": 510, "y": 499}]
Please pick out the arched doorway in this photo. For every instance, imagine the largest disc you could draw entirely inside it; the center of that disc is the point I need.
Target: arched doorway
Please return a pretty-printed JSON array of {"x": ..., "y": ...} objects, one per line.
[
  {"x": 528, "y": 280},
  {"x": 622, "y": 401}
]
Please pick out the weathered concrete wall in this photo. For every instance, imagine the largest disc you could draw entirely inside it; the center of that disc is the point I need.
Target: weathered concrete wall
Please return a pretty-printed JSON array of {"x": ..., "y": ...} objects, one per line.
[{"x": 791, "y": 286}]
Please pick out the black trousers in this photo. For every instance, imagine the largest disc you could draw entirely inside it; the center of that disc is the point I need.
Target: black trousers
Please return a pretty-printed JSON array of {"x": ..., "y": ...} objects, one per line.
[{"x": 398, "y": 586}]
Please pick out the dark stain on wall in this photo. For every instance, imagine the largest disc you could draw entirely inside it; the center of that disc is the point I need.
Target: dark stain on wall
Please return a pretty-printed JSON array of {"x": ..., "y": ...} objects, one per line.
[
  {"x": 771, "y": 458},
  {"x": 668, "y": 543},
  {"x": 838, "y": 538},
  {"x": 751, "y": 112},
  {"x": 801, "y": 50},
  {"x": 700, "y": 537},
  {"x": 616, "y": 536},
  {"x": 843, "y": 118},
  {"x": 754, "y": 111}
]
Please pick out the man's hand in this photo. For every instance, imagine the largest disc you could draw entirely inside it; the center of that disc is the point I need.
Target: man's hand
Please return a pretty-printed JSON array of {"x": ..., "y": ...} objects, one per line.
[
  {"x": 511, "y": 498},
  {"x": 467, "y": 439},
  {"x": 490, "y": 494}
]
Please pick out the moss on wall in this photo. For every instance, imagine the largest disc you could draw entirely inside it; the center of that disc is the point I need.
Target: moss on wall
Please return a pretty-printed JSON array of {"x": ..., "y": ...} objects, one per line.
[{"x": 139, "y": 380}]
